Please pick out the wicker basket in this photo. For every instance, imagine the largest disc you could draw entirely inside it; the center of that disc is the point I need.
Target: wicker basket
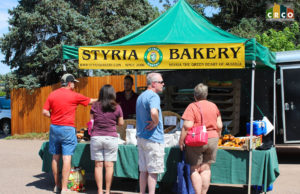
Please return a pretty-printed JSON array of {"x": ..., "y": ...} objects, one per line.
[
  {"x": 170, "y": 113},
  {"x": 122, "y": 129}
]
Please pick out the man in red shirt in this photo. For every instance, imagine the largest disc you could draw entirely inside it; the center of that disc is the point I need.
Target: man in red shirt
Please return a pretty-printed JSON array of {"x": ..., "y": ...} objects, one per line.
[
  {"x": 127, "y": 98},
  {"x": 60, "y": 107}
]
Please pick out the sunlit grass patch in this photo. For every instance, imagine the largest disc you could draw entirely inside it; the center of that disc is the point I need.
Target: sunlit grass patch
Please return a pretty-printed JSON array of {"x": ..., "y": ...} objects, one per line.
[{"x": 41, "y": 136}]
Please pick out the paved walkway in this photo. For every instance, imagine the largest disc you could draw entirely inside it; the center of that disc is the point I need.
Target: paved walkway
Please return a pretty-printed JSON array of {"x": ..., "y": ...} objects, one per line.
[{"x": 20, "y": 172}]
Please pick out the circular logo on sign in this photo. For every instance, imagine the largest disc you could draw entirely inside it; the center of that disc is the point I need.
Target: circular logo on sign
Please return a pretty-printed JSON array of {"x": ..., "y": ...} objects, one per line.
[{"x": 153, "y": 56}]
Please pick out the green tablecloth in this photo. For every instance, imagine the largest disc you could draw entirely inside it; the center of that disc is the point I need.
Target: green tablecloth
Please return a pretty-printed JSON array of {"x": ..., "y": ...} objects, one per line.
[{"x": 231, "y": 166}]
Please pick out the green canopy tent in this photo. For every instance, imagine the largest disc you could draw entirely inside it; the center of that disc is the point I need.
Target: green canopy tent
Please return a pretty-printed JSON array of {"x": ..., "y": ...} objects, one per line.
[{"x": 180, "y": 26}]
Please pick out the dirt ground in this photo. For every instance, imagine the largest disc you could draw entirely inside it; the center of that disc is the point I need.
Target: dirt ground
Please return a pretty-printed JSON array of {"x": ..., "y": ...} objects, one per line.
[{"x": 20, "y": 172}]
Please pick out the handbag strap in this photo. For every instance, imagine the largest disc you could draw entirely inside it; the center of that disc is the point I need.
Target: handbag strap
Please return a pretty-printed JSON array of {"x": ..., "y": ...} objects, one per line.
[
  {"x": 183, "y": 155},
  {"x": 198, "y": 104}
]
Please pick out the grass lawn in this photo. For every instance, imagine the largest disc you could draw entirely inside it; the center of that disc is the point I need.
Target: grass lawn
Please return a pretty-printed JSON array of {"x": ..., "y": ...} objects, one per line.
[{"x": 41, "y": 136}]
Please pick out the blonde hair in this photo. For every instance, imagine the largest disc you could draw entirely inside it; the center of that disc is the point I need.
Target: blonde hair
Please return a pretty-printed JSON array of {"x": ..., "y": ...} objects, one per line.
[{"x": 200, "y": 92}]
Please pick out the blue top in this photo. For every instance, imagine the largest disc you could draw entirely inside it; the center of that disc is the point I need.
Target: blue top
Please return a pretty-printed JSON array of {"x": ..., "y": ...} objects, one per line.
[{"x": 145, "y": 102}]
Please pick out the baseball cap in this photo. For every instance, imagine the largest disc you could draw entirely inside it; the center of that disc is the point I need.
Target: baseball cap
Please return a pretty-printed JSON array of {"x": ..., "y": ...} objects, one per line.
[{"x": 68, "y": 78}]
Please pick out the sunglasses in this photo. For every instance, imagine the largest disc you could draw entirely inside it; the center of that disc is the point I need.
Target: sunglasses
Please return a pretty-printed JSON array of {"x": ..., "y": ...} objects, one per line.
[{"x": 160, "y": 82}]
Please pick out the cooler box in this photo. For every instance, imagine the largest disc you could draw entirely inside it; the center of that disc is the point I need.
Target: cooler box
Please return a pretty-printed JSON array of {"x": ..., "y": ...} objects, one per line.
[{"x": 259, "y": 128}]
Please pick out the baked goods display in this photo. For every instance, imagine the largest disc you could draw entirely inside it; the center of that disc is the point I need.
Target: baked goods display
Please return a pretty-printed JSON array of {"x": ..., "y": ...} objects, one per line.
[
  {"x": 213, "y": 83},
  {"x": 230, "y": 140},
  {"x": 82, "y": 135}
]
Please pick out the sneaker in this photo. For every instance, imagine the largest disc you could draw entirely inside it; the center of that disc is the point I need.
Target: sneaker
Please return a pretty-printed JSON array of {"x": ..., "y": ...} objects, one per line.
[{"x": 56, "y": 189}]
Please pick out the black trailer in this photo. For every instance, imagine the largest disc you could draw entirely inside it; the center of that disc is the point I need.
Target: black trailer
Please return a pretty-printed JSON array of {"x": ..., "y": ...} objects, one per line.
[{"x": 288, "y": 63}]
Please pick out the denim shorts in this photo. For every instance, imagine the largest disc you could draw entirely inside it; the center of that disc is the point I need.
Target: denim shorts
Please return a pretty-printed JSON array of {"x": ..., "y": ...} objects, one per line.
[
  {"x": 104, "y": 148},
  {"x": 62, "y": 140}
]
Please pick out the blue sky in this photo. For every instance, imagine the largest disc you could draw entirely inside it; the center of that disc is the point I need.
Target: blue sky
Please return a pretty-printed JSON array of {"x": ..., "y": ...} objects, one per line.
[
  {"x": 4, "y": 6},
  {"x": 9, "y": 4}
]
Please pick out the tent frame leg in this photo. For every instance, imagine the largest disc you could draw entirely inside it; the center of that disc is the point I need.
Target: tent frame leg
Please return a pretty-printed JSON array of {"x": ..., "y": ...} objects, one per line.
[
  {"x": 274, "y": 107},
  {"x": 251, "y": 124}
]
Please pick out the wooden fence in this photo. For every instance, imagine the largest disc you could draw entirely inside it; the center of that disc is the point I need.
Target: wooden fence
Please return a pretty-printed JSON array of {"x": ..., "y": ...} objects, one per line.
[{"x": 26, "y": 108}]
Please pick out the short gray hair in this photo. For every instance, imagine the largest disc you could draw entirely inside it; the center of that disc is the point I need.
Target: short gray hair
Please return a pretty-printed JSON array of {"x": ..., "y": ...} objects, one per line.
[
  {"x": 152, "y": 77},
  {"x": 201, "y": 92}
]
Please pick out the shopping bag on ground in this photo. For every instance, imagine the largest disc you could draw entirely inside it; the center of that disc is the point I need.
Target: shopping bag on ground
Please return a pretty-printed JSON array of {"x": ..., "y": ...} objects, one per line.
[
  {"x": 76, "y": 180},
  {"x": 184, "y": 182}
]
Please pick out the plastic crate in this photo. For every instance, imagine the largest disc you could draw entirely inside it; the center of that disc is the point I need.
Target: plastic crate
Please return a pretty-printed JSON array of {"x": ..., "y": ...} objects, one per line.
[{"x": 259, "y": 128}]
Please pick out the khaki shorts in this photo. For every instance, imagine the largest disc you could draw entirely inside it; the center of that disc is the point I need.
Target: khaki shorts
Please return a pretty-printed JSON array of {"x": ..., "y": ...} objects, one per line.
[
  {"x": 151, "y": 156},
  {"x": 104, "y": 148},
  {"x": 202, "y": 154}
]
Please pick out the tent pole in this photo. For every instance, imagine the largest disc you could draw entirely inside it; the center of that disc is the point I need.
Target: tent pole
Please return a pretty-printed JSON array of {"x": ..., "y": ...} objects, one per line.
[
  {"x": 135, "y": 82},
  {"x": 251, "y": 125},
  {"x": 274, "y": 108}
]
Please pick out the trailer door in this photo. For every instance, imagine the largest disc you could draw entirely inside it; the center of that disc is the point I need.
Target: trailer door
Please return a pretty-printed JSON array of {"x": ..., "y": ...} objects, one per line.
[{"x": 290, "y": 93}]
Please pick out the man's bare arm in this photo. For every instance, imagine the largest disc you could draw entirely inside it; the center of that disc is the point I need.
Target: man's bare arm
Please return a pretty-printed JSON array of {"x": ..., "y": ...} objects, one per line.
[
  {"x": 155, "y": 119},
  {"x": 46, "y": 113},
  {"x": 93, "y": 100}
]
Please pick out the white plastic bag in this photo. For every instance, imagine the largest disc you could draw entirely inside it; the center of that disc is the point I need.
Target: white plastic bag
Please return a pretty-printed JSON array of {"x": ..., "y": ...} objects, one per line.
[
  {"x": 172, "y": 139},
  {"x": 269, "y": 126},
  {"x": 131, "y": 136},
  {"x": 120, "y": 141}
]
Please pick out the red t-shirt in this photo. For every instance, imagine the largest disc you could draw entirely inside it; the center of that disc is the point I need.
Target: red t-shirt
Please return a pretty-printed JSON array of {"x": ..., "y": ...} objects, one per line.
[
  {"x": 62, "y": 104},
  {"x": 210, "y": 113}
]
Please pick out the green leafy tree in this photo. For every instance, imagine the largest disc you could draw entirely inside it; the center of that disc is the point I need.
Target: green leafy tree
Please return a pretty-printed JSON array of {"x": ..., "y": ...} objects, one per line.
[
  {"x": 2, "y": 84},
  {"x": 232, "y": 12},
  {"x": 247, "y": 28},
  {"x": 37, "y": 31},
  {"x": 241, "y": 17},
  {"x": 281, "y": 40},
  {"x": 119, "y": 18},
  {"x": 39, "y": 28},
  {"x": 8, "y": 82}
]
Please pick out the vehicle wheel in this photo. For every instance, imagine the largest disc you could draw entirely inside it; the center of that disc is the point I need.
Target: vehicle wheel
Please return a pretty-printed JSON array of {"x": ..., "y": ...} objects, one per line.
[{"x": 6, "y": 127}]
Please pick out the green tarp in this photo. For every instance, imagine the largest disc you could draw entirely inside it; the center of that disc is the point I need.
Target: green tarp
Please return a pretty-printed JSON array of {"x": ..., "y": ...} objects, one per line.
[
  {"x": 181, "y": 24},
  {"x": 230, "y": 166}
]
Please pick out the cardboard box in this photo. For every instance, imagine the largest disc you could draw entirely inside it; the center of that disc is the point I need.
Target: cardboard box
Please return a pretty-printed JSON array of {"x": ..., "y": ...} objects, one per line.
[
  {"x": 256, "y": 142},
  {"x": 232, "y": 148}
]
